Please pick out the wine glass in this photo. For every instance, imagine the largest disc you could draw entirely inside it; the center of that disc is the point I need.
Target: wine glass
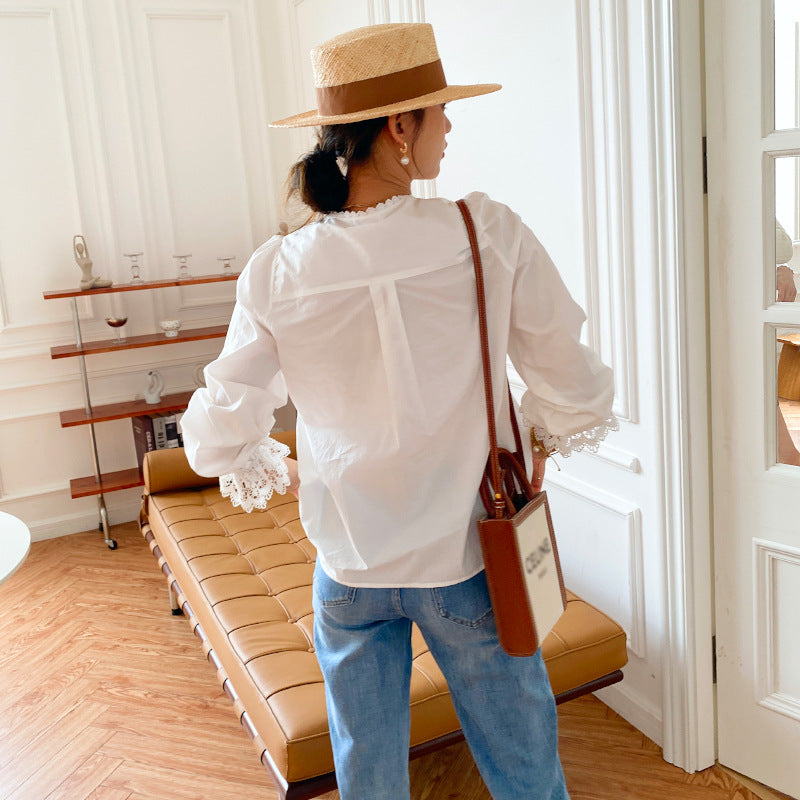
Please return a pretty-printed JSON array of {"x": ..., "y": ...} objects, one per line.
[{"x": 116, "y": 323}]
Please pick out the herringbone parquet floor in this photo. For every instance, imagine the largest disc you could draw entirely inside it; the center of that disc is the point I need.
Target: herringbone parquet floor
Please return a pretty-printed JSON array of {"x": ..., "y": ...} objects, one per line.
[{"x": 104, "y": 695}]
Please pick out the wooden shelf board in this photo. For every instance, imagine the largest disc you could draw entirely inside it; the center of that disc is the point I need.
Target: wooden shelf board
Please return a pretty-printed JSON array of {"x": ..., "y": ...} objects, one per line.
[
  {"x": 130, "y": 408},
  {"x": 132, "y": 342},
  {"x": 109, "y": 482},
  {"x": 56, "y": 294}
]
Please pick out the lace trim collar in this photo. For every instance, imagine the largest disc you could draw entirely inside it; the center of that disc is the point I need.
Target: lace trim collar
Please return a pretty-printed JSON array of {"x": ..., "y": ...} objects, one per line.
[{"x": 388, "y": 203}]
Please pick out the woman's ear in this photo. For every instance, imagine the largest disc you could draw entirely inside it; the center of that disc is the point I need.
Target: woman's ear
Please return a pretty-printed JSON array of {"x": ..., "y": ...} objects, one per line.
[{"x": 399, "y": 128}]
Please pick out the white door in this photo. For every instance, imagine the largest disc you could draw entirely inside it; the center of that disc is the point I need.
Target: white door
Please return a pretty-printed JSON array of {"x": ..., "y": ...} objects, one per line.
[{"x": 753, "y": 91}]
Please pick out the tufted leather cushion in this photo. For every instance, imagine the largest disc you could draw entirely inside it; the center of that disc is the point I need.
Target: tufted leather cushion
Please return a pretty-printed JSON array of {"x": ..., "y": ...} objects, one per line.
[{"x": 247, "y": 581}]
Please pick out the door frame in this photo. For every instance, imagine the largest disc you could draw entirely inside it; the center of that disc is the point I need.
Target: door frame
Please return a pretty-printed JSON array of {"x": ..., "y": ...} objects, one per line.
[{"x": 680, "y": 251}]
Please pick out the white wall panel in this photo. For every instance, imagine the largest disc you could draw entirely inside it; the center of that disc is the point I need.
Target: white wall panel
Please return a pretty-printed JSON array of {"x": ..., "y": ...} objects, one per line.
[
  {"x": 310, "y": 23},
  {"x": 776, "y": 625},
  {"x": 314, "y": 22},
  {"x": 201, "y": 144},
  {"x": 608, "y": 169},
  {"x": 600, "y": 543},
  {"x": 198, "y": 127},
  {"x": 142, "y": 125},
  {"x": 39, "y": 210}
]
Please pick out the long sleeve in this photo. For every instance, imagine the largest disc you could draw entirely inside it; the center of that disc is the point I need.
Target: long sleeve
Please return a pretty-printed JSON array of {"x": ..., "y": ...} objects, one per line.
[
  {"x": 570, "y": 391},
  {"x": 226, "y": 426}
]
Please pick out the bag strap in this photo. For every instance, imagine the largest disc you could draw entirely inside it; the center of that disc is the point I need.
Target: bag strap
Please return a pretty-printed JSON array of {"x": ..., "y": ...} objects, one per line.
[{"x": 494, "y": 458}]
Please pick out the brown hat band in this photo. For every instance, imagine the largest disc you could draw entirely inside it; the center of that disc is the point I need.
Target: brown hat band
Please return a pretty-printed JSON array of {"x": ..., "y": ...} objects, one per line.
[{"x": 383, "y": 90}]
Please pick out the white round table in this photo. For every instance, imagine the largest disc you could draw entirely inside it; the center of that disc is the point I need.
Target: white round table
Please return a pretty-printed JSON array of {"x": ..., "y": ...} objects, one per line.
[{"x": 15, "y": 541}]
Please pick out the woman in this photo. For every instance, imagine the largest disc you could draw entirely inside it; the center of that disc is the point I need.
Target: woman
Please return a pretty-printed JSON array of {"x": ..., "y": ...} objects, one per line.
[{"x": 368, "y": 318}]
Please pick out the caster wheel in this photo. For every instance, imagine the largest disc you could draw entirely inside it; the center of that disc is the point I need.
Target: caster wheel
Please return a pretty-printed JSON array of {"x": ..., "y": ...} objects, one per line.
[
  {"x": 177, "y": 612},
  {"x": 112, "y": 544}
]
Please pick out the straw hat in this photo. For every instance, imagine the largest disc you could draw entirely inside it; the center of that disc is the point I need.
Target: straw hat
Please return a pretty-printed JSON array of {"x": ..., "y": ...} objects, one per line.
[{"x": 377, "y": 71}]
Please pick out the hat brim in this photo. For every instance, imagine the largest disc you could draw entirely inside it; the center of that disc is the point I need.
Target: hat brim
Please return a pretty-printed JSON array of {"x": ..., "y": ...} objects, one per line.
[{"x": 445, "y": 95}]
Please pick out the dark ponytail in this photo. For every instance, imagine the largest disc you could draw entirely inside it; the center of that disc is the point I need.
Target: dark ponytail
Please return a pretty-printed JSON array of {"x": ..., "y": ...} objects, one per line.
[
  {"x": 319, "y": 182},
  {"x": 318, "y": 179}
]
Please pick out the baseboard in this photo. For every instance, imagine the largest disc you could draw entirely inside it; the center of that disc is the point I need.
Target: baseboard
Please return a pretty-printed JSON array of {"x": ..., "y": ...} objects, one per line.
[
  {"x": 634, "y": 709},
  {"x": 84, "y": 520}
]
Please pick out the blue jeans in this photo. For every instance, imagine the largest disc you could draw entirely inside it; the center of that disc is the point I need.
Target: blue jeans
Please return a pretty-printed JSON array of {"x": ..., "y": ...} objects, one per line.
[{"x": 505, "y": 705}]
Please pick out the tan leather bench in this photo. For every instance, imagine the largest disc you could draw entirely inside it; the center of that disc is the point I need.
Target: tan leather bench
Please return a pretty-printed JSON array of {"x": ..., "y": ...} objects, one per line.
[{"x": 244, "y": 580}]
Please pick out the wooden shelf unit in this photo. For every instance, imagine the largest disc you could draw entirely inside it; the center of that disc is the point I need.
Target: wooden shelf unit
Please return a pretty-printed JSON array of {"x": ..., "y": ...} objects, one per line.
[
  {"x": 130, "y": 408},
  {"x": 104, "y": 482},
  {"x": 108, "y": 482},
  {"x": 133, "y": 342},
  {"x": 138, "y": 286}
]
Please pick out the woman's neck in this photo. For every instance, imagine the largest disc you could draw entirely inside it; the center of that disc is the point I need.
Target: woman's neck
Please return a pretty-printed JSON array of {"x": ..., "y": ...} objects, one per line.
[{"x": 378, "y": 179}]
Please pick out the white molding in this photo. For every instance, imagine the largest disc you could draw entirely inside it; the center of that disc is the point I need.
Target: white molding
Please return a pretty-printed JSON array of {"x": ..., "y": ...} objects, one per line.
[
  {"x": 782, "y": 143},
  {"x": 80, "y": 521},
  {"x": 239, "y": 26},
  {"x": 768, "y": 694},
  {"x": 378, "y": 12},
  {"x": 97, "y": 191},
  {"x": 407, "y": 11},
  {"x": 673, "y": 89},
  {"x": 618, "y": 458},
  {"x": 426, "y": 188},
  {"x": 149, "y": 58},
  {"x": 607, "y": 170},
  {"x": 259, "y": 102},
  {"x": 298, "y": 70},
  {"x": 605, "y": 452},
  {"x": 77, "y": 101},
  {"x": 631, "y": 521},
  {"x": 40, "y": 491},
  {"x": 635, "y": 708}
]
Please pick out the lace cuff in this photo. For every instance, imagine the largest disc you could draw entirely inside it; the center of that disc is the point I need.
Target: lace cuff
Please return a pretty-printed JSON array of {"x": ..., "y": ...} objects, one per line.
[
  {"x": 583, "y": 440},
  {"x": 266, "y": 472}
]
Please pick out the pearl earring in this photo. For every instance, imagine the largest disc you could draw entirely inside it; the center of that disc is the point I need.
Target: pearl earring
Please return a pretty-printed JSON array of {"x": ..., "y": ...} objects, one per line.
[{"x": 404, "y": 159}]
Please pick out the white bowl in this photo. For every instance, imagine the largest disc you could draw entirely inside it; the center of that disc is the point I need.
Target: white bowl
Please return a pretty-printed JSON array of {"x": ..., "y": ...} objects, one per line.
[{"x": 170, "y": 327}]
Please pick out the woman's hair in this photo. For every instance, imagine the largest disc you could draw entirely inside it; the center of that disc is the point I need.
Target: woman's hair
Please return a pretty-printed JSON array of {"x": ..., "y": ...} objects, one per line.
[{"x": 317, "y": 178}]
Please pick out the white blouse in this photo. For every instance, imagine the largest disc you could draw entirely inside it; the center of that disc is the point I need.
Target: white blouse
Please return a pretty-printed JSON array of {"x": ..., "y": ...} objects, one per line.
[{"x": 369, "y": 321}]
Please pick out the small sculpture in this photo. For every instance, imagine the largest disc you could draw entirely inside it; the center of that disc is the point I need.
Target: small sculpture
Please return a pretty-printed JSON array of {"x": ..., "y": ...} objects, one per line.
[
  {"x": 152, "y": 394},
  {"x": 200, "y": 376},
  {"x": 82, "y": 259}
]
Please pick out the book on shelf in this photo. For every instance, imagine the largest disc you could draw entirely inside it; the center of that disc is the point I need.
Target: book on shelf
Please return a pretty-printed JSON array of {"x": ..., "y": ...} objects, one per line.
[
  {"x": 178, "y": 418},
  {"x": 155, "y": 432},
  {"x": 170, "y": 433},
  {"x": 143, "y": 436}
]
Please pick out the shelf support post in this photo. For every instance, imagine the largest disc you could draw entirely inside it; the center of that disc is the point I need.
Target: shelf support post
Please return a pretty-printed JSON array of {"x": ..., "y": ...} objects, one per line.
[{"x": 101, "y": 503}]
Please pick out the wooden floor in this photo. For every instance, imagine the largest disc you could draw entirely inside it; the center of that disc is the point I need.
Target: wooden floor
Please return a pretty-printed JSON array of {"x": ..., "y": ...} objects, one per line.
[{"x": 106, "y": 696}]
